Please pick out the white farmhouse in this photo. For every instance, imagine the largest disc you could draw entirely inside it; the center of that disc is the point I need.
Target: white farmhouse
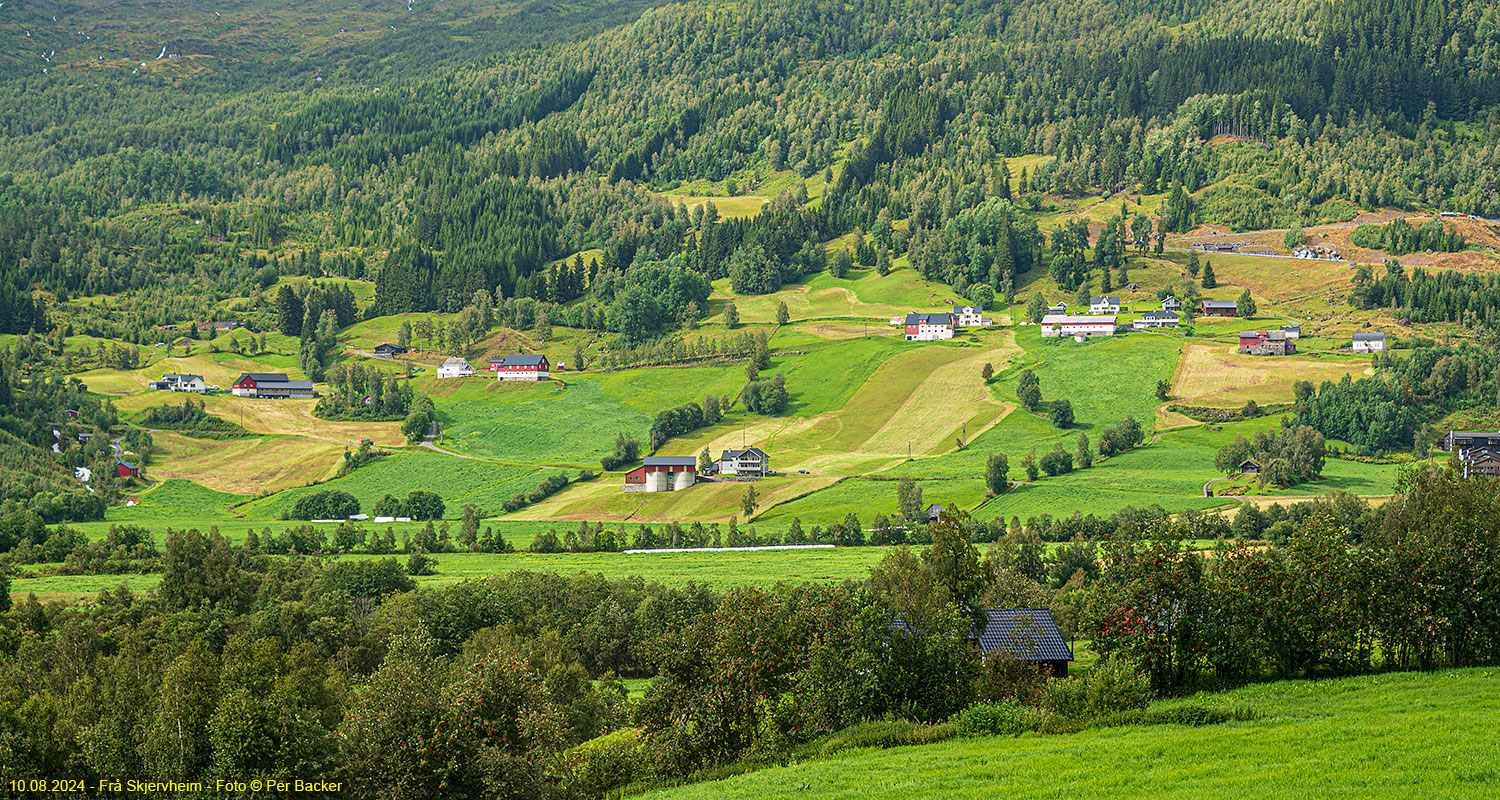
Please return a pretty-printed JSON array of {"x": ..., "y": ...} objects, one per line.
[
  {"x": 969, "y": 316},
  {"x": 1157, "y": 319},
  {"x": 751, "y": 463},
  {"x": 454, "y": 368},
  {"x": 1369, "y": 342},
  {"x": 1104, "y": 305}
]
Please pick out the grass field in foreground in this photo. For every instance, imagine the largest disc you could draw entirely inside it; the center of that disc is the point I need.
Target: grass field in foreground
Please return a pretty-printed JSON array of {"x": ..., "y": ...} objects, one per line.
[{"x": 1384, "y": 736}]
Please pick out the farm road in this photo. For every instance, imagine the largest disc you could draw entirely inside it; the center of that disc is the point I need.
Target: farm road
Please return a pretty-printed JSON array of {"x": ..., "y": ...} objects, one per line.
[{"x": 427, "y": 442}]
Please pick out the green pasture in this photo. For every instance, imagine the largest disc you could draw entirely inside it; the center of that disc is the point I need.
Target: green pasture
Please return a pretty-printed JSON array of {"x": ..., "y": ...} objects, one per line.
[
  {"x": 1390, "y": 736},
  {"x": 743, "y": 568},
  {"x": 572, "y": 422},
  {"x": 864, "y": 294},
  {"x": 459, "y": 481}
]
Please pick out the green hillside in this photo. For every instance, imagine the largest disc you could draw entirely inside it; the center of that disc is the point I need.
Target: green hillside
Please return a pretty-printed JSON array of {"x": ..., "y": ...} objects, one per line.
[{"x": 1387, "y": 736}]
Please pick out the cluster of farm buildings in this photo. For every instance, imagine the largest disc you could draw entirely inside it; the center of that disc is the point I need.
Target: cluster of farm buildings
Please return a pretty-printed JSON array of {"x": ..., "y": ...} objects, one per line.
[
  {"x": 923, "y": 327},
  {"x": 1103, "y": 320},
  {"x": 1478, "y": 452},
  {"x": 671, "y": 473},
  {"x": 514, "y": 367},
  {"x": 262, "y": 385},
  {"x": 1315, "y": 252}
]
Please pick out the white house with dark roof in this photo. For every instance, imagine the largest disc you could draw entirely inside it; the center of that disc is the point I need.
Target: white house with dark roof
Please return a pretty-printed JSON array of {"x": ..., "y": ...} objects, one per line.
[
  {"x": 969, "y": 316},
  {"x": 1369, "y": 342},
  {"x": 180, "y": 383},
  {"x": 1170, "y": 303},
  {"x": 455, "y": 368},
  {"x": 1292, "y": 331},
  {"x": 752, "y": 462},
  {"x": 1104, "y": 305},
  {"x": 1157, "y": 319}
]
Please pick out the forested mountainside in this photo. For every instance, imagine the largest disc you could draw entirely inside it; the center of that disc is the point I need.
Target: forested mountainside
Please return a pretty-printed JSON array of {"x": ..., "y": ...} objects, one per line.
[{"x": 1365, "y": 103}]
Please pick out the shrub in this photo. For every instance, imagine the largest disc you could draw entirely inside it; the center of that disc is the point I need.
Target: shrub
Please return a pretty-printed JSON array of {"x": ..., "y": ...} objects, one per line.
[
  {"x": 546, "y": 542},
  {"x": 1111, "y": 686},
  {"x": 599, "y": 766},
  {"x": 675, "y": 421},
  {"x": 766, "y": 397},
  {"x": 420, "y": 564},
  {"x": 1062, "y": 413},
  {"x": 1183, "y": 715},
  {"x": 543, "y": 490},
  {"x": 1006, "y": 717},
  {"x": 1058, "y": 461}
]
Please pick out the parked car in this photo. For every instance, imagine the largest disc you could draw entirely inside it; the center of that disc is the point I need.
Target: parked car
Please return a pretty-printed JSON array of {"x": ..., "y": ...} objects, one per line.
[{"x": 803, "y": 472}]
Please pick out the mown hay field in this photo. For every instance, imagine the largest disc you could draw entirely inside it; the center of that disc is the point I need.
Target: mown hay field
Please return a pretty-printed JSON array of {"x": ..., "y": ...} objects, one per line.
[
  {"x": 921, "y": 396},
  {"x": 1217, "y": 375},
  {"x": 244, "y": 466},
  {"x": 708, "y": 501}
]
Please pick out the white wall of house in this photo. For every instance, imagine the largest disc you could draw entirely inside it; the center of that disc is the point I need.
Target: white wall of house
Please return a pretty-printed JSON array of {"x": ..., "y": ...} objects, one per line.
[
  {"x": 930, "y": 333},
  {"x": 523, "y": 375}
]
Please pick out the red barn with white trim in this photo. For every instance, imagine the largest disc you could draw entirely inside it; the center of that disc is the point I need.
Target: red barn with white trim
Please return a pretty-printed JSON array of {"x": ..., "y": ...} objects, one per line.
[
  {"x": 521, "y": 367},
  {"x": 662, "y": 474}
]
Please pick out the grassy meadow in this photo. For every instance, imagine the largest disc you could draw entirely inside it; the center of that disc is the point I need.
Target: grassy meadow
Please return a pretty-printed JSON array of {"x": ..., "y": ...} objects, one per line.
[{"x": 1391, "y": 736}]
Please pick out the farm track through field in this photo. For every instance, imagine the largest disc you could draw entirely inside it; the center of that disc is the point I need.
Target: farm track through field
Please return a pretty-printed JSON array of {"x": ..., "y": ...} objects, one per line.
[{"x": 431, "y": 436}]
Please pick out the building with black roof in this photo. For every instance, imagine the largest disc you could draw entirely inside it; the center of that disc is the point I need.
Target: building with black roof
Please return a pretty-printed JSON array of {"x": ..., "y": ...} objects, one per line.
[{"x": 1025, "y": 634}]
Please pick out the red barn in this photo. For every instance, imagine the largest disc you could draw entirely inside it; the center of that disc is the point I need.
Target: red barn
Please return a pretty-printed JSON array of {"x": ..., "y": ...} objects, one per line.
[
  {"x": 521, "y": 368},
  {"x": 125, "y": 469},
  {"x": 662, "y": 474}
]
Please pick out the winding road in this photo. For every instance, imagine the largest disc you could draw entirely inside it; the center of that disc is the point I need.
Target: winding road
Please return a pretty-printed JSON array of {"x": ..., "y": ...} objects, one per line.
[{"x": 427, "y": 442}]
